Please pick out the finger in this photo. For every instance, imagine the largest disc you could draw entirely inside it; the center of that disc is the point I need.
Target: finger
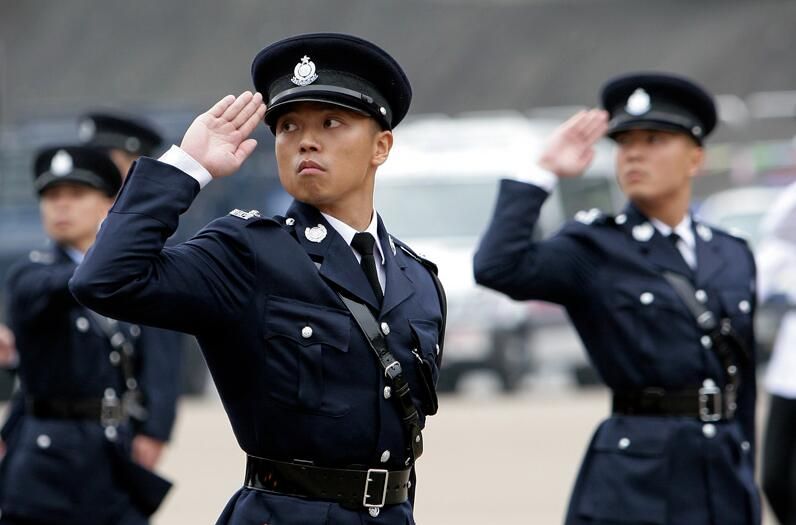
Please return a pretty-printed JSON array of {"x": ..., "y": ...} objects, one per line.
[
  {"x": 245, "y": 149},
  {"x": 596, "y": 126},
  {"x": 248, "y": 110},
  {"x": 248, "y": 127},
  {"x": 218, "y": 109},
  {"x": 235, "y": 108}
]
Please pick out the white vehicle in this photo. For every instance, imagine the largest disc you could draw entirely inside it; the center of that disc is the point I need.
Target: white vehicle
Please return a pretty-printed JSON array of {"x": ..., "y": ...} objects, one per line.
[{"x": 437, "y": 192}]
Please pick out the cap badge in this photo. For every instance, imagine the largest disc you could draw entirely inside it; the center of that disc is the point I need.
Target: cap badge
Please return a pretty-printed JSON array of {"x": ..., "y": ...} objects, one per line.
[
  {"x": 316, "y": 233},
  {"x": 638, "y": 103},
  {"x": 61, "y": 164},
  {"x": 87, "y": 130},
  {"x": 304, "y": 72},
  {"x": 643, "y": 232}
]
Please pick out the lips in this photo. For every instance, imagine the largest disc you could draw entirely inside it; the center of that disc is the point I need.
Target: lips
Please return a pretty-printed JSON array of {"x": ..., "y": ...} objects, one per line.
[{"x": 307, "y": 165}]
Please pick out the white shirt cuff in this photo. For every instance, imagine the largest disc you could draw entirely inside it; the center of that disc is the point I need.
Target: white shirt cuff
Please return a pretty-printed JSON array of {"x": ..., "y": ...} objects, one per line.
[
  {"x": 176, "y": 157},
  {"x": 538, "y": 177}
]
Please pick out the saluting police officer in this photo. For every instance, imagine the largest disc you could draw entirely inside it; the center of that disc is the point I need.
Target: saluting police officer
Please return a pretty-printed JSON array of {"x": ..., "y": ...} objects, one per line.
[
  {"x": 662, "y": 302},
  {"x": 321, "y": 330},
  {"x": 95, "y": 396}
]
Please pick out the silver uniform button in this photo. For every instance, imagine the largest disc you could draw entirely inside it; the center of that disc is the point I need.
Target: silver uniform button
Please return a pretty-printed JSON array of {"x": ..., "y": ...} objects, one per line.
[
  {"x": 709, "y": 430},
  {"x": 290, "y": 221},
  {"x": 111, "y": 433},
  {"x": 43, "y": 441},
  {"x": 306, "y": 332},
  {"x": 706, "y": 342},
  {"x": 385, "y": 328},
  {"x": 131, "y": 383},
  {"x": 646, "y": 298},
  {"x": 110, "y": 393},
  {"x": 115, "y": 358},
  {"x": 82, "y": 324},
  {"x": 744, "y": 306},
  {"x": 385, "y": 456},
  {"x": 387, "y": 392},
  {"x": 374, "y": 511},
  {"x": 117, "y": 339},
  {"x": 701, "y": 296},
  {"x": 624, "y": 443},
  {"x": 135, "y": 330},
  {"x": 621, "y": 219},
  {"x": 745, "y": 446}
]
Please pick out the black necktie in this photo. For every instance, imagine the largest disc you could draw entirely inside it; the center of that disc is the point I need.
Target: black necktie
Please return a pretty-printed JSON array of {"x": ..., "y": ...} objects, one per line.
[{"x": 363, "y": 243}]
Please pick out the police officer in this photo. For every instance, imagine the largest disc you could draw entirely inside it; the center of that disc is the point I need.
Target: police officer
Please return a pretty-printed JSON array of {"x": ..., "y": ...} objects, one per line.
[
  {"x": 679, "y": 446},
  {"x": 95, "y": 394},
  {"x": 124, "y": 138},
  {"x": 321, "y": 330}
]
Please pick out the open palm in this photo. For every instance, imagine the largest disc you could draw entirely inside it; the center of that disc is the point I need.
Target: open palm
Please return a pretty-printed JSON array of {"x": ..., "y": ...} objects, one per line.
[
  {"x": 219, "y": 138},
  {"x": 571, "y": 147}
]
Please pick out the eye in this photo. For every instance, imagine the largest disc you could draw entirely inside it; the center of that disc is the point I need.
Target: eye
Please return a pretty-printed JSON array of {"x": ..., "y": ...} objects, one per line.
[
  {"x": 331, "y": 122},
  {"x": 287, "y": 126},
  {"x": 654, "y": 138}
]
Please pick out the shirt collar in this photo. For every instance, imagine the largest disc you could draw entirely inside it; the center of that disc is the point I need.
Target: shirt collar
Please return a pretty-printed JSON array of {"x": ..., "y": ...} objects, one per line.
[
  {"x": 683, "y": 230},
  {"x": 74, "y": 254},
  {"x": 347, "y": 232}
]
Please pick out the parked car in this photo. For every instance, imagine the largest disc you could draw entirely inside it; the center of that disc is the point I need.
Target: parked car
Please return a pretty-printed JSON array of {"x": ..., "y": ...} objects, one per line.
[{"x": 437, "y": 192}]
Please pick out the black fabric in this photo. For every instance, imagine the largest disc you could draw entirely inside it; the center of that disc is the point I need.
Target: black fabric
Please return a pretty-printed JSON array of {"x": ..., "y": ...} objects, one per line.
[
  {"x": 679, "y": 403},
  {"x": 349, "y": 487},
  {"x": 363, "y": 243},
  {"x": 779, "y": 459}
]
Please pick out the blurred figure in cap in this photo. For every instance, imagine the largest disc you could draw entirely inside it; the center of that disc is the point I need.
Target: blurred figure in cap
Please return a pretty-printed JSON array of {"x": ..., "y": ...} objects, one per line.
[
  {"x": 124, "y": 138},
  {"x": 97, "y": 399},
  {"x": 662, "y": 302},
  {"x": 322, "y": 331}
]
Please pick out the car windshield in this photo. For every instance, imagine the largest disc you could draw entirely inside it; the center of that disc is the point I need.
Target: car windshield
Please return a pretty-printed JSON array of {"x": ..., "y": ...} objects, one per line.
[{"x": 414, "y": 208}]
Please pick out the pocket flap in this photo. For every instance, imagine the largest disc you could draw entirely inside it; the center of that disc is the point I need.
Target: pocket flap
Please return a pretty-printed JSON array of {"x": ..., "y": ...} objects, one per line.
[
  {"x": 426, "y": 336},
  {"x": 640, "y": 436},
  {"x": 307, "y": 324}
]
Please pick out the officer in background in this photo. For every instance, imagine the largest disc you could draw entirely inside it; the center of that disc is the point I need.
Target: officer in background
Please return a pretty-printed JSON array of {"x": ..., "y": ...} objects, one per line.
[
  {"x": 330, "y": 418},
  {"x": 97, "y": 393},
  {"x": 8, "y": 361},
  {"x": 776, "y": 259},
  {"x": 679, "y": 446},
  {"x": 124, "y": 138}
]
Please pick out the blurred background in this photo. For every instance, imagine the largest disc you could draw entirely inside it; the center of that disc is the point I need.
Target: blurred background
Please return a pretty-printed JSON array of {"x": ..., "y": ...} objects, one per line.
[{"x": 491, "y": 79}]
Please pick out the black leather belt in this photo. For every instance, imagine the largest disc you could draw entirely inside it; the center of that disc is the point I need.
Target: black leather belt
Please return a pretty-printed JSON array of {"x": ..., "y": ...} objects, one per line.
[
  {"x": 351, "y": 488},
  {"x": 107, "y": 411},
  {"x": 708, "y": 403}
]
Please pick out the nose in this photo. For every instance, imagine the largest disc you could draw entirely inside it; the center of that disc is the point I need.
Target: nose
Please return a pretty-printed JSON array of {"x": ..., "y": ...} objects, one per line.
[{"x": 308, "y": 142}]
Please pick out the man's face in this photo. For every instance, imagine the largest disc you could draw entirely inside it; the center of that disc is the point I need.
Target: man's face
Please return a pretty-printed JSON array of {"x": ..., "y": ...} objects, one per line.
[
  {"x": 654, "y": 165},
  {"x": 71, "y": 213},
  {"x": 328, "y": 155}
]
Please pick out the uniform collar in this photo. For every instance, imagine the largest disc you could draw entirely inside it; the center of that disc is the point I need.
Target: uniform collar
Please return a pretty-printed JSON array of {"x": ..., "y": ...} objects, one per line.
[
  {"x": 347, "y": 232},
  {"x": 683, "y": 230},
  {"x": 74, "y": 254}
]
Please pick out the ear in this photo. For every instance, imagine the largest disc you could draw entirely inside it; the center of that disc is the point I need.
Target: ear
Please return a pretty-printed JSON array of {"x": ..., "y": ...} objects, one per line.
[
  {"x": 696, "y": 160},
  {"x": 382, "y": 144}
]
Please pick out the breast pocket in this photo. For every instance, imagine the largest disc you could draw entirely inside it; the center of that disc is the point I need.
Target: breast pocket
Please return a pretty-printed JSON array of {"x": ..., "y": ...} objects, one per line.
[
  {"x": 737, "y": 306},
  {"x": 302, "y": 340},
  {"x": 625, "y": 473}
]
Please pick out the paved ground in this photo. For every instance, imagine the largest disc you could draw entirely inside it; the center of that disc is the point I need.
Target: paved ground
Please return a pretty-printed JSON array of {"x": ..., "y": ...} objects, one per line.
[{"x": 525, "y": 449}]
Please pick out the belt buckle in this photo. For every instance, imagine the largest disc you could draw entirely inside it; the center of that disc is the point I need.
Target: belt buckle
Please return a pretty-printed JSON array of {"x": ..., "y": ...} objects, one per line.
[
  {"x": 110, "y": 411},
  {"x": 709, "y": 411},
  {"x": 368, "y": 480}
]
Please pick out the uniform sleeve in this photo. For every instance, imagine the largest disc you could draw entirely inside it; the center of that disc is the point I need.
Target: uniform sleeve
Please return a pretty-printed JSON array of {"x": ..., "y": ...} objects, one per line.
[
  {"x": 35, "y": 289},
  {"x": 509, "y": 261},
  {"x": 159, "y": 353},
  {"x": 195, "y": 286}
]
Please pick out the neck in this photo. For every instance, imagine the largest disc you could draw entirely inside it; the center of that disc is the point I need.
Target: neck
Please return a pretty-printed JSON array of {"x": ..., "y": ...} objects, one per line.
[
  {"x": 670, "y": 211},
  {"x": 356, "y": 211},
  {"x": 82, "y": 245}
]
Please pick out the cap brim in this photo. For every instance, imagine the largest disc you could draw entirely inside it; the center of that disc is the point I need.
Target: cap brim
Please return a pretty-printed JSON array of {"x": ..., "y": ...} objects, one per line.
[{"x": 275, "y": 111}]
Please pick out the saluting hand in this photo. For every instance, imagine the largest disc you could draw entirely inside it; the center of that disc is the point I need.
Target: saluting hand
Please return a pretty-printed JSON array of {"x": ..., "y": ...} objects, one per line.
[
  {"x": 8, "y": 349},
  {"x": 571, "y": 146},
  {"x": 218, "y": 139}
]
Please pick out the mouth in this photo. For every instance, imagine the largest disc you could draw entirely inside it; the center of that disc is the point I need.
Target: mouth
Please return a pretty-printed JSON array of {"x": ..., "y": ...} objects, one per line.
[
  {"x": 634, "y": 175},
  {"x": 307, "y": 167}
]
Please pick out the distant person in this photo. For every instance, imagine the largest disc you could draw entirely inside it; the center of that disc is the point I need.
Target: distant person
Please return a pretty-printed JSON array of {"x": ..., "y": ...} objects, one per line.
[
  {"x": 679, "y": 446},
  {"x": 125, "y": 138},
  {"x": 322, "y": 331},
  {"x": 776, "y": 260},
  {"x": 8, "y": 361},
  {"x": 97, "y": 397}
]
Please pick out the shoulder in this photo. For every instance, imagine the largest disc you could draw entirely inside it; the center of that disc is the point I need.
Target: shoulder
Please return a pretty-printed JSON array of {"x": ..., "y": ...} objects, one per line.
[
  {"x": 412, "y": 255},
  {"x": 593, "y": 221},
  {"x": 35, "y": 259},
  {"x": 237, "y": 221}
]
